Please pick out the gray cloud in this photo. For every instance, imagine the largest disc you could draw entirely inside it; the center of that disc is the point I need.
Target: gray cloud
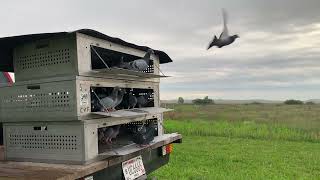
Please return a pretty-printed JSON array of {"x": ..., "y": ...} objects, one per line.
[{"x": 276, "y": 57}]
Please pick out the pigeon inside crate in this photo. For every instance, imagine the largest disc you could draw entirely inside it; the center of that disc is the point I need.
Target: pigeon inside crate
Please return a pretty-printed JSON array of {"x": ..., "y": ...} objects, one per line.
[
  {"x": 124, "y": 134},
  {"x": 144, "y": 98},
  {"x": 113, "y": 59}
]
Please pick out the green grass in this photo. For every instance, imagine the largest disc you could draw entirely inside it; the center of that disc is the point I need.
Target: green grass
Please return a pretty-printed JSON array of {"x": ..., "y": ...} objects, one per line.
[
  {"x": 236, "y": 158},
  {"x": 296, "y": 116},
  {"x": 246, "y": 129},
  {"x": 244, "y": 142}
]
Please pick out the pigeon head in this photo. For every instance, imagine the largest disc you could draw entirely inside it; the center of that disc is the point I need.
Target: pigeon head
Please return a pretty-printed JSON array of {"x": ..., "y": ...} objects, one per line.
[
  {"x": 121, "y": 92},
  {"x": 236, "y": 36},
  {"x": 115, "y": 91},
  {"x": 150, "y": 51},
  {"x": 148, "y": 54}
]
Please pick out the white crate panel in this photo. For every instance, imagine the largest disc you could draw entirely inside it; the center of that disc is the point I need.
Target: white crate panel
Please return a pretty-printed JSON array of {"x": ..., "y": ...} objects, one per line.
[
  {"x": 56, "y": 99},
  {"x": 59, "y": 142},
  {"x": 45, "y": 58},
  {"x": 47, "y": 142}
]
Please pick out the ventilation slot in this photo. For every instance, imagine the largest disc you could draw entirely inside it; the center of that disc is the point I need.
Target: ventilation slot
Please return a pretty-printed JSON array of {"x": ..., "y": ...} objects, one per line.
[
  {"x": 49, "y": 141},
  {"x": 43, "y": 59},
  {"x": 38, "y": 101}
]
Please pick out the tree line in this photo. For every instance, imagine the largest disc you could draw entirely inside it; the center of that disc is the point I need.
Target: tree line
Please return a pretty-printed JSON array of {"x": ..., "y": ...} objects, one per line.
[{"x": 206, "y": 100}]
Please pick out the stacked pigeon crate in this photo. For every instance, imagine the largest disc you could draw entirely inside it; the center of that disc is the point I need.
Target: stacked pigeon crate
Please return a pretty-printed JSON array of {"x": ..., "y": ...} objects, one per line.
[{"x": 48, "y": 113}]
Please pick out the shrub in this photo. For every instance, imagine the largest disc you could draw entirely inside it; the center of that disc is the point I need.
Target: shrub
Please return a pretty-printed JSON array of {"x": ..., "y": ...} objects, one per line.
[
  {"x": 203, "y": 101},
  {"x": 310, "y": 103},
  {"x": 180, "y": 100},
  {"x": 293, "y": 102}
]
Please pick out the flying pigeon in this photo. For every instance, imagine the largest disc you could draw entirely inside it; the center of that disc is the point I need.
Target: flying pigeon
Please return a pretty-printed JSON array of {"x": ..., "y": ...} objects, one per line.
[
  {"x": 143, "y": 100},
  {"x": 224, "y": 39},
  {"x": 144, "y": 135},
  {"x": 108, "y": 102},
  {"x": 132, "y": 101},
  {"x": 119, "y": 98},
  {"x": 141, "y": 64}
]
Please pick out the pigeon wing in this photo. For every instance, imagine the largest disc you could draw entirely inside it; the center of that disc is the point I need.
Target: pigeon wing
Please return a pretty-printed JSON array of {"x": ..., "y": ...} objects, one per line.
[
  {"x": 225, "y": 31},
  {"x": 213, "y": 42},
  {"x": 108, "y": 132},
  {"x": 107, "y": 102}
]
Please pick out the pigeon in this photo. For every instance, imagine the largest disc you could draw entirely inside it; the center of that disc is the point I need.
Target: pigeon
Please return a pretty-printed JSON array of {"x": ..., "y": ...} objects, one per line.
[
  {"x": 141, "y": 64},
  {"x": 107, "y": 134},
  {"x": 132, "y": 101},
  {"x": 143, "y": 100},
  {"x": 124, "y": 65},
  {"x": 101, "y": 136},
  {"x": 108, "y": 102},
  {"x": 119, "y": 98},
  {"x": 116, "y": 130},
  {"x": 144, "y": 135},
  {"x": 111, "y": 133},
  {"x": 224, "y": 39}
]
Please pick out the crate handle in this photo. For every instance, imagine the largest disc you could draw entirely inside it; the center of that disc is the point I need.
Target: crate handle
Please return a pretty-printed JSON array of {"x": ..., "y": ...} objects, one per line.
[
  {"x": 33, "y": 87},
  {"x": 40, "y": 128},
  {"x": 42, "y": 45}
]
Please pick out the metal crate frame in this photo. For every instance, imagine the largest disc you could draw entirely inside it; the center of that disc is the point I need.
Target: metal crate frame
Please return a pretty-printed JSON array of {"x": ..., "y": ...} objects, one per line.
[
  {"x": 54, "y": 142},
  {"x": 70, "y": 54},
  {"x": 59, "y": 99}
]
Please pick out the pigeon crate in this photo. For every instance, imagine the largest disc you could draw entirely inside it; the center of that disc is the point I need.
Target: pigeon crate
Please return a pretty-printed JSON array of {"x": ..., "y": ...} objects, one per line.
[
  {"x": 61, "y": 142},
  {"x": 126, "y": 136},
  {"x": 73, "y": 98},
  {"x": 79, "y": 54}
]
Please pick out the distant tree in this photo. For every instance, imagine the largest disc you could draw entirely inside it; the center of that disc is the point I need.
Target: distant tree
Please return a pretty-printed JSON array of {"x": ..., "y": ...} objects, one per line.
[
  {"x": 203, "y": 101},
  {"x": 256, "y": 102},
  {"x": 293, "y": 102},
  {"x": 310, "y": 103},
  {"x": 180, "y": 100},
  {"x": 197, "y": 101},
  {"x": 206, "y": 100}
]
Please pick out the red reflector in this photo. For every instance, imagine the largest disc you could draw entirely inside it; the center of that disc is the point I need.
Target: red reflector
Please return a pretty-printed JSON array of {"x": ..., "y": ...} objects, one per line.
[{"x": 169, "y": 148}]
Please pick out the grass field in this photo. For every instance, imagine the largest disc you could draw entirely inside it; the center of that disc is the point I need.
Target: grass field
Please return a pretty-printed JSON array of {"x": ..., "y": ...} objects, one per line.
[{"x": 244, "y": 142}]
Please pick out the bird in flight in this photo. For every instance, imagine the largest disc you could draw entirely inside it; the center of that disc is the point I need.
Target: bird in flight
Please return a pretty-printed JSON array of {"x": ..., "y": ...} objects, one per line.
[{"x": 224, "y": 39}]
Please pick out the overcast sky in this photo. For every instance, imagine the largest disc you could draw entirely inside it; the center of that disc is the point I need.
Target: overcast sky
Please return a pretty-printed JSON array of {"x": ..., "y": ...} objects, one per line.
[{"x": 276, "y": 57}]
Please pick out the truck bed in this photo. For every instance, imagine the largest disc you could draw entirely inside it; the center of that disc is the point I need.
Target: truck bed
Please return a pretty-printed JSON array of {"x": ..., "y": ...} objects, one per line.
[{"x": 31, "y": 170}]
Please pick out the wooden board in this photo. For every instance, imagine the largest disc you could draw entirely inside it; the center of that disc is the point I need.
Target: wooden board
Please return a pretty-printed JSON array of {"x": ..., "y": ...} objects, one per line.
[
  {"x": 39, "y": 171},
  {"x": 123, "y": 72},
  {"x": 120, "y": 113},
  {"x": 132, "y": 148},
  {"x": 136, "y": 112}
]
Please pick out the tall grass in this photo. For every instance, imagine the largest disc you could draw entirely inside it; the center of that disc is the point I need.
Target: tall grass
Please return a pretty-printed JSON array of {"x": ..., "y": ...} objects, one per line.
[
  {"x": 305, "y": 117},
  {"x": 245, "y": 129}
]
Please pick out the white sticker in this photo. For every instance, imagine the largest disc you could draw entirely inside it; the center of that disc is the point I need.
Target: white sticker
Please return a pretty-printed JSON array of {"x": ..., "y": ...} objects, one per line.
[
  {"x": 88, "y": 178},
  {"x": 84, "y": 97}
]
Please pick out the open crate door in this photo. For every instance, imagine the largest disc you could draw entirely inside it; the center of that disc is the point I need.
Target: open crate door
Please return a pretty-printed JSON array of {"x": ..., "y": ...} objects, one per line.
[
  {"x": 132, "y": 148},
  {"x": 133, "y": 112},
  {"x": 109, "y": 62},
  {"x": 122, "y": 73}
]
